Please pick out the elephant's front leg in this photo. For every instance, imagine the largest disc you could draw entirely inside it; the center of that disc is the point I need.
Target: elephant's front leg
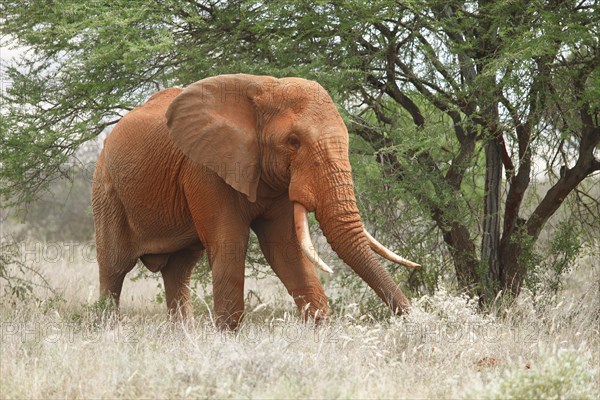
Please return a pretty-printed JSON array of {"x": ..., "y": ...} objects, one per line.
[
  {"x": 278, "y": 242},
  {"x": 227, "y": 256}
]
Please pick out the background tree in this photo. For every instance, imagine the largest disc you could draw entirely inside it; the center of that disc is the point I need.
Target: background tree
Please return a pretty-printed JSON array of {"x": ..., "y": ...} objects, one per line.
[{"x": 456, "y": 103}]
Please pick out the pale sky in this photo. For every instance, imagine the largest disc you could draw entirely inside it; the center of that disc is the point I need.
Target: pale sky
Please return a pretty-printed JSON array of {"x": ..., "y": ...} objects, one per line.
[{"x": 6, "y": 56}]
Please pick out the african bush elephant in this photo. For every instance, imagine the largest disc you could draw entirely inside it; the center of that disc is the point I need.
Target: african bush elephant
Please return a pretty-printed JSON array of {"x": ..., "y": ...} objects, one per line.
[{"x": 194, "y": 170}]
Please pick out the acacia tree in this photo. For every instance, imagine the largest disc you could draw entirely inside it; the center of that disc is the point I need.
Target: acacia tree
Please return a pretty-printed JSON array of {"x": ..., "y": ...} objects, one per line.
[
  {"x": 508, "y": 81},
  {"x": 516, "y": 80},
  {"x": 497, "y": 69}
]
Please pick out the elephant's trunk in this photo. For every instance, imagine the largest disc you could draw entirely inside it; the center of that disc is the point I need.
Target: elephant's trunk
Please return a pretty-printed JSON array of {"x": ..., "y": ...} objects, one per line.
[{"x": 338, "y": 216}]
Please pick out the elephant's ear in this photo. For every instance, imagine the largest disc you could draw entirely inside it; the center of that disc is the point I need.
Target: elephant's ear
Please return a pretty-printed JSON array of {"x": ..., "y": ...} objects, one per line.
[{"x": 214, "y": 123}]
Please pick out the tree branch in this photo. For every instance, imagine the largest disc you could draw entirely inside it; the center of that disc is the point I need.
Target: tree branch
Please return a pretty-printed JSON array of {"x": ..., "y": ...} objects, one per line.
[{"x": 585, "y": 165}]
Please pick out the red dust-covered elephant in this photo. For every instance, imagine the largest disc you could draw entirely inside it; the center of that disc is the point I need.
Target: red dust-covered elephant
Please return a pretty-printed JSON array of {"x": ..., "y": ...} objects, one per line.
[{"x": 193, "y": 170}]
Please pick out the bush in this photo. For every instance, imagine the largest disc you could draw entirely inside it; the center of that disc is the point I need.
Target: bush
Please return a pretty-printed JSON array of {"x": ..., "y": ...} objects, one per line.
[
  {"x": 563, "y": 374},
  {"x": 18, "y": 278}
]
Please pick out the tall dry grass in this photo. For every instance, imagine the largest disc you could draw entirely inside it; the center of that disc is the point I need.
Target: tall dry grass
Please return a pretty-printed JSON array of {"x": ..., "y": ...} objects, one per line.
[{"x": 445, "y": 348}]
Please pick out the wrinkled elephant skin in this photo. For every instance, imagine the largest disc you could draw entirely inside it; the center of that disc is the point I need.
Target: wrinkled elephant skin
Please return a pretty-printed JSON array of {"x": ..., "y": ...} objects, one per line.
[{"x": 193, "y": 170}]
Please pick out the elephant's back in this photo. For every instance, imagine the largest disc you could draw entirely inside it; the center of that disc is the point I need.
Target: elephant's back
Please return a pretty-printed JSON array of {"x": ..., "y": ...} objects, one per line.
[
  {"x": 140, "y": 142},
  {"x": 143, "y": 122}
]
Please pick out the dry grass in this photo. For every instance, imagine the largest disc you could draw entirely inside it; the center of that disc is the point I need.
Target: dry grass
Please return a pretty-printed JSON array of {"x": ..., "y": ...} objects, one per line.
[{"x": 444, "y": 349}]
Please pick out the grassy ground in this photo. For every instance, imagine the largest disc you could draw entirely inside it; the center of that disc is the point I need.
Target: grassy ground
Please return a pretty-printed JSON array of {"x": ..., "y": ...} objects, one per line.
[{"x": 444, "y": 349}]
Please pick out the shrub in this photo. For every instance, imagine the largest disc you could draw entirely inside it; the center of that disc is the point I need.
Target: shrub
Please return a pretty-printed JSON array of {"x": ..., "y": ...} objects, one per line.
[{"x": 563, "y": 374}]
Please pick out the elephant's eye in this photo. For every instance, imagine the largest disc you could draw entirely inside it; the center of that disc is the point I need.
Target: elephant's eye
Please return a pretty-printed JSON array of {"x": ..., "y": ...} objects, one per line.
[{"x": 294, "y": 141}]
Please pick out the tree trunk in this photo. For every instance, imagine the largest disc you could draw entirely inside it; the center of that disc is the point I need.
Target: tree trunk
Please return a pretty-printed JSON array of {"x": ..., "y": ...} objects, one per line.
[
  {"x": 462, "y": 250},
  {"x": 512, "y": 265},
  {"x": 490, "y": 241}
]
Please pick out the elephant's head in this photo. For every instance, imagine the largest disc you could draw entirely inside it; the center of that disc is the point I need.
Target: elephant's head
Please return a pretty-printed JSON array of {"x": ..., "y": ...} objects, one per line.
[{"x": 288, "y": 135}]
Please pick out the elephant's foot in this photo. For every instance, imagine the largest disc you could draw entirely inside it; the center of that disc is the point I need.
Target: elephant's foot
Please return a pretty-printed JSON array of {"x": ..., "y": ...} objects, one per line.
[
  {"x": 181, "y": 313},
  {"x": 105, "y": 311},
  {"x": 312, "y": 303},
  {"x": 229, "y": 321}
]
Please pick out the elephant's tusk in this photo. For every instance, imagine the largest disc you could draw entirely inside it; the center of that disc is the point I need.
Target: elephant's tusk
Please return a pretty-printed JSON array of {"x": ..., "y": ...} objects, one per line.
[
  {"x": 301, "y": 226},
  {"x": 385, "y": 252}
]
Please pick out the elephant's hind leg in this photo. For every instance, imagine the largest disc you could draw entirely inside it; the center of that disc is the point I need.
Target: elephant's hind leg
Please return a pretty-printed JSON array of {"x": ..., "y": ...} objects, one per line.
[
  {"x": 113, "y": 251},
  {"x": 114, "y": 262},
  {"x": 176, "y": 276},
  {"x": 112, "y": 275}
]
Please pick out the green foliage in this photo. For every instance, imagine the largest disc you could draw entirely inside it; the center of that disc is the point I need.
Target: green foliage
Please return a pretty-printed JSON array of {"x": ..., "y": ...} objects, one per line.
[
  {"x": 564, "y": 249},
  {"x": 396, "y": 200},
  {"x": 66, "y": 90},
  {"x": 423, "y": 85},
  {"x": 18, "y": 277},
  {"x": 547, "y": 270},
  {"x": 16, "y": 287}
]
